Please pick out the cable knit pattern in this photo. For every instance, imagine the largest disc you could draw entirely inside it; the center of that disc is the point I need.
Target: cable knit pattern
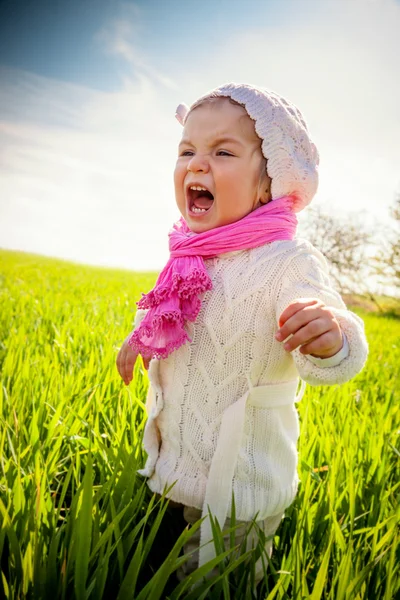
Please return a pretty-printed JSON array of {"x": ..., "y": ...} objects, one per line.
[
  {"x": 233, "y": 350},
  {"x": 307, "y": 277}
]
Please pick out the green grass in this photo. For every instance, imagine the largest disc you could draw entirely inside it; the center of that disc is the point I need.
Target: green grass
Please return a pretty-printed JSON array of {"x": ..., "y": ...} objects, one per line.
[{"x": 78, "y": 522}]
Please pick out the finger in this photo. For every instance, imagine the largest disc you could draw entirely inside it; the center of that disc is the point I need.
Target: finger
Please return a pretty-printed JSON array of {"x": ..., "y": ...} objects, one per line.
[
  {"x": 295, "y": 306},
  {"x": 127, "y": 362},
  {"x": 130, "y": 359},
  {"x": 298, "y": 320},
  {"x": 308, "y": 333},
  {"x": 119, "y": 363},
  {"x": 324, "y": 346}
]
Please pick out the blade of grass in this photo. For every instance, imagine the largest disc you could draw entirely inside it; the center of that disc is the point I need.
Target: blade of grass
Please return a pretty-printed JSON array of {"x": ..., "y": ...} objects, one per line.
[{"x": 83, "y": 533}]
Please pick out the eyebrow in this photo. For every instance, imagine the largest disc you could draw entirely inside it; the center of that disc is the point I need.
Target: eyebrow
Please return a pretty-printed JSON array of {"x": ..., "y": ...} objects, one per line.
[{"x": 217, "y": 141}]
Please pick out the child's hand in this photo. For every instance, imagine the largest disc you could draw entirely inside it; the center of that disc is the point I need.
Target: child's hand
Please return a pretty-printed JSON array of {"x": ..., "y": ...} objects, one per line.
[
  {"x": 126, "y": 361},
  {"x": 312, "y": 326}
]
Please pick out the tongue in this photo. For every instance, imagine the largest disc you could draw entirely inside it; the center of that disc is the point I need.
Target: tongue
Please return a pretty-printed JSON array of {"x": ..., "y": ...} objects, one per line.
[{"x": 203, "y": 202}]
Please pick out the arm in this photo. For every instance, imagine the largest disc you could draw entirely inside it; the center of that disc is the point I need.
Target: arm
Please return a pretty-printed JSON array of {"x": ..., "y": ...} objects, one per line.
[
  {"x": 326, "y": 340},
  {"x": 126, "y": 358}
]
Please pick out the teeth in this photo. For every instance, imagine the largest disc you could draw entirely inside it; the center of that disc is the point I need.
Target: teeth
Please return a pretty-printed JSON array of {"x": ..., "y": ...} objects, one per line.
[
  {"x": 198, "y": 188},
  {"x": 198, "y": 210}
]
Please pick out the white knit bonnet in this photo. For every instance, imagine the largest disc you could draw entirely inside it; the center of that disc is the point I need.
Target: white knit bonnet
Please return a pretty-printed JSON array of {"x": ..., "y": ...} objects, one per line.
[{"x": 292, "y": 157}]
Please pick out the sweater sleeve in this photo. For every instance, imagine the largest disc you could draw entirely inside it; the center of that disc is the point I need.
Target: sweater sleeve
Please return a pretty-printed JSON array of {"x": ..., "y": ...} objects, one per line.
[
  {"x": 306, "y": 276},
  {"x": 139, "y": 316}
]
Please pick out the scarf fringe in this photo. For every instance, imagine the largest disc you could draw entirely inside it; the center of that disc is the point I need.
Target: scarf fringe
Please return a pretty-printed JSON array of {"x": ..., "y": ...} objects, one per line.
[
  {"x": 167, "y": 327},
  {"x": 185, "y": 286}
]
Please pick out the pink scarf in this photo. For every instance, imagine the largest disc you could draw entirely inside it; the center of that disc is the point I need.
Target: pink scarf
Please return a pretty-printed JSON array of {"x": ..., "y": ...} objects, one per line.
[{"x": 175, "y": 298}]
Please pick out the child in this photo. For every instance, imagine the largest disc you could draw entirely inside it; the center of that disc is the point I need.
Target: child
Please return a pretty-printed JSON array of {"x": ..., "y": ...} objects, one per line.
[{"x": 241, "y": 310}]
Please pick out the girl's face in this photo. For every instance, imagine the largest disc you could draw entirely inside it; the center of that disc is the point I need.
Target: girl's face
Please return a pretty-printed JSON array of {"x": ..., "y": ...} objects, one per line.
[{"x": 220, "y": 174}]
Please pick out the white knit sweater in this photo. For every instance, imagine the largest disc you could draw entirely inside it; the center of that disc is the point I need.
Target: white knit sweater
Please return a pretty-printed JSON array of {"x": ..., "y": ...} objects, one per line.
[{"x": 234, "y": 356}]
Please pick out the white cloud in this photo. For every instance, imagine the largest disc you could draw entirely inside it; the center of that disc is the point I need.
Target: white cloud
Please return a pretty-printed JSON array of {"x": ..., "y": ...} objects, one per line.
[
  {"x": 99, "y": 192},
  {"x": 88, "y": 175},
  {"x": 120, "y": 38}
]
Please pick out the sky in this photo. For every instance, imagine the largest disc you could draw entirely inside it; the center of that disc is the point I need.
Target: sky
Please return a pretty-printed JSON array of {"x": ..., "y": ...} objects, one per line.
[{"x": 88, "y": 91}]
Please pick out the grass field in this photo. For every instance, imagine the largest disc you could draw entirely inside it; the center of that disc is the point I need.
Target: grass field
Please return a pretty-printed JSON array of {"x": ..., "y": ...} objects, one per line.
[{"x": 76, "y": 520}]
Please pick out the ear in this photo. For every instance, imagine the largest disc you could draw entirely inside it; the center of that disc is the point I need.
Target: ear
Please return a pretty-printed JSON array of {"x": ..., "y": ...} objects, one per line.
[{"x": 265, "y": 188}]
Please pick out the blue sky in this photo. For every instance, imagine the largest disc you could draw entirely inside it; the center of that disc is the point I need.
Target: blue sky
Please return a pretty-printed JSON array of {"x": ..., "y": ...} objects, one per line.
[
  {"x": 56, "y": 39},
  {"x": 63, "y": 40},
  {"x": 88, "y": 91}
]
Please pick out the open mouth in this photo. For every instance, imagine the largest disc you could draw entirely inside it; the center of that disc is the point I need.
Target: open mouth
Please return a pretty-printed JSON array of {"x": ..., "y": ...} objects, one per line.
[{"x": 200, "y": 199}]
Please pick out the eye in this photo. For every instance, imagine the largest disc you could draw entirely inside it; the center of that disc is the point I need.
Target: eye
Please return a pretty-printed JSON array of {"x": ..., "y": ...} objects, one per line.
[
  {"x": 223, "y": 153},
  {"x": 187, "y": 153}
]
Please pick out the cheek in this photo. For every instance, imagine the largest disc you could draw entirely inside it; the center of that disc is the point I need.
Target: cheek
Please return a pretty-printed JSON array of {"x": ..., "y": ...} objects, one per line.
[
  {"x": 179, "y": 174},
  {"x": 176, "y": 173},
  {"x": 234, "y": 173}
]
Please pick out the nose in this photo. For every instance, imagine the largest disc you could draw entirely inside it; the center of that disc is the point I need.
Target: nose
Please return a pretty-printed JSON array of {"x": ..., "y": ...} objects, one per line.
[{"x": 198, "y": 164}]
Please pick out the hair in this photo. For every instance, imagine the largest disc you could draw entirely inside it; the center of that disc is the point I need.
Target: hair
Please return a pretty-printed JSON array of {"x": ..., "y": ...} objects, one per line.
[{"x": 213, "y": 98}]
